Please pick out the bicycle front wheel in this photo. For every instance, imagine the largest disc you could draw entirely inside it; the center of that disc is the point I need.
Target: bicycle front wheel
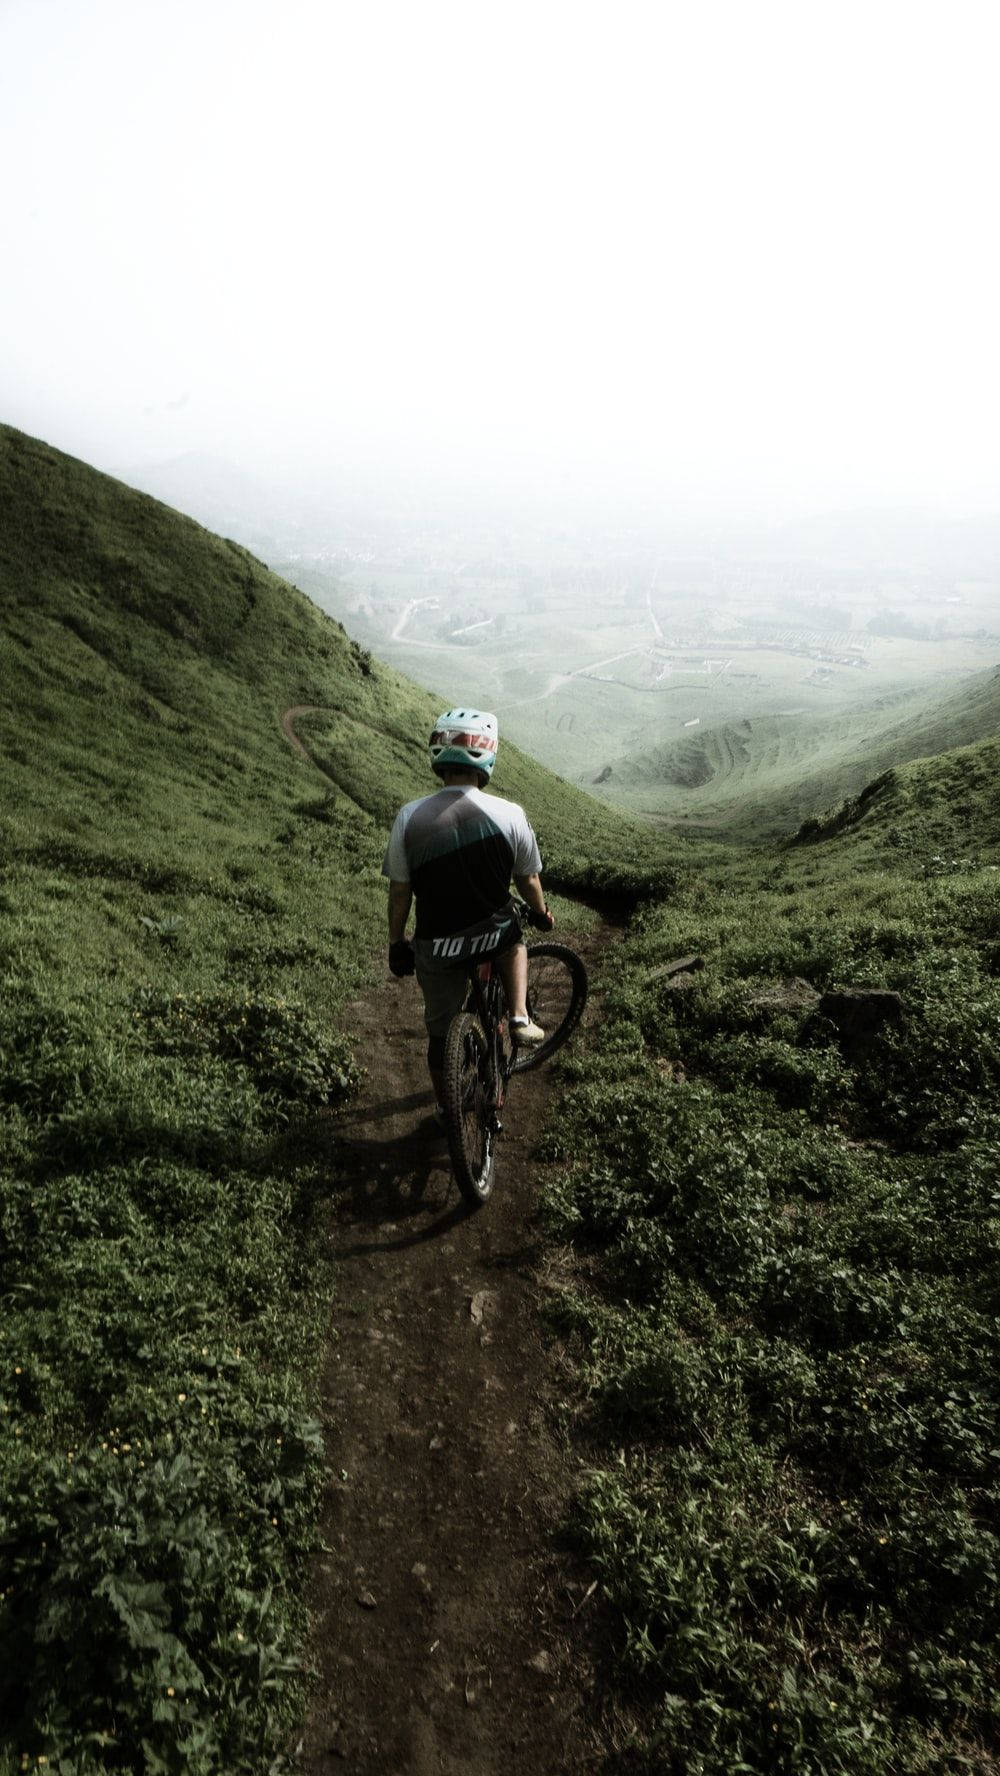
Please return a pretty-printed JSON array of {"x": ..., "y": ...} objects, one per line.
[
  {"x": 557, "y": 994},
  {"x": 469, "y": 1093}
]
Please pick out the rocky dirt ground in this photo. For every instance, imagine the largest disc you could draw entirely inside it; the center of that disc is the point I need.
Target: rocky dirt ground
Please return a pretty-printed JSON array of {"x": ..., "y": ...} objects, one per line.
[{"x": 450, "y": 1627}]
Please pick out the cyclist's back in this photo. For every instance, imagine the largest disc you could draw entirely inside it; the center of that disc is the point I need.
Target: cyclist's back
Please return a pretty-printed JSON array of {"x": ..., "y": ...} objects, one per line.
[
  {"x": 454, "y": 852},
  {"x": 459, "y": 848}
]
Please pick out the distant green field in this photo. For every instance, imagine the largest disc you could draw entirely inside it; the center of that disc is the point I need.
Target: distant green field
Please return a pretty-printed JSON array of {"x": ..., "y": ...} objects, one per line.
[
  {"x": 671, "y": 711},
  {"x": 762, "y": 777}
]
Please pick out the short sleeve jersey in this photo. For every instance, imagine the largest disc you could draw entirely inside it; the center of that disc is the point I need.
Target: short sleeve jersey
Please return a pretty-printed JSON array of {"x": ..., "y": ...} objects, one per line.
[{"x": 458, "y": 850}]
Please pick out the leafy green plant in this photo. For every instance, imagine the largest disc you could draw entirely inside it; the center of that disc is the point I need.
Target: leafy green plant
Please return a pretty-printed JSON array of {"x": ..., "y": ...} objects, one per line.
[{"x": 785, "y": 1329}]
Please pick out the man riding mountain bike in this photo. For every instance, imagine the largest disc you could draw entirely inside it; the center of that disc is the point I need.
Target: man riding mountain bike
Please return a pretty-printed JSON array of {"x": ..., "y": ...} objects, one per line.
[{"x": 455, "y": 852}]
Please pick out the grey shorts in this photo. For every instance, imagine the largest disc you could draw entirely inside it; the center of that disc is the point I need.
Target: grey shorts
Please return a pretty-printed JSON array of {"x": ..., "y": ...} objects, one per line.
[
  {"x": 444, "y": 978},
  {"x": 444, "y": 993}
]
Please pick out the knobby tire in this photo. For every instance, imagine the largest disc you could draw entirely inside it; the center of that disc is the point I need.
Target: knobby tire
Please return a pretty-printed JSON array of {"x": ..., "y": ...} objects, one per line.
[{"x": 468, "y": 1094}]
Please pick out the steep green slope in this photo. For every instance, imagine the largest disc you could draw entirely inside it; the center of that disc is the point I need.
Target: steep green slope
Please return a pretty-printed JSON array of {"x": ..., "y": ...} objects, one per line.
[
  {"x": 183, "y": 904},
  {"x": 950, "y": 803},
  {"x": 144, "y": 655},
  {"x": 759, "y": 778}
]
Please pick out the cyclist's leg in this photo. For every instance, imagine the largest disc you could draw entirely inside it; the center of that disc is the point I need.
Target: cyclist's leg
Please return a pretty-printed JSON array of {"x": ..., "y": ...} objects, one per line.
[
  {"x": 512, "y": 967},
  {"x": 444, "y": 993}
]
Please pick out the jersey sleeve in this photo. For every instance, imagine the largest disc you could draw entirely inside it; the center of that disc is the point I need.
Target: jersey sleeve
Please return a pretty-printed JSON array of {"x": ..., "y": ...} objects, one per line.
[
  {"x": 527, "y": 857},
  {"x": 394, "y": 864}
]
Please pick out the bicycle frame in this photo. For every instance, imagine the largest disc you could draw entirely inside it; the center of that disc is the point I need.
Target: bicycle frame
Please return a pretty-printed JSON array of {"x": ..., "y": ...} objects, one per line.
[
  {"x": 486, "y": 999},
  {"x": 480, "y": 1055}
]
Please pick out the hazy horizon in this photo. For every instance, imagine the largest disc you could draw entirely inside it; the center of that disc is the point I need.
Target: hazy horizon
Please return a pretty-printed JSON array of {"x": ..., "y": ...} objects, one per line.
[{"x": 735, "y": 261}]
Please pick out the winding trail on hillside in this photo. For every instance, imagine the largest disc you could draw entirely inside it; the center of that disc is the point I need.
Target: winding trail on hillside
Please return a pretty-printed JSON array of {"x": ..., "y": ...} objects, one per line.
[
  {"x": 288, "y": 720},
  {"x": 450, "y": 1630}
]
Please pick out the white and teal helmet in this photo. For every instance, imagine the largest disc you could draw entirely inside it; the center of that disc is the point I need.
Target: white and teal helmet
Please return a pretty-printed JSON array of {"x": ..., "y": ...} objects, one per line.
[{"x": 465, "y": 737}]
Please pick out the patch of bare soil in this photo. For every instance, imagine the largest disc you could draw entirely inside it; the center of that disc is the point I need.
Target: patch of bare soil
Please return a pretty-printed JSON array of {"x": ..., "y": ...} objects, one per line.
[{"x": 448, "y": 1622}]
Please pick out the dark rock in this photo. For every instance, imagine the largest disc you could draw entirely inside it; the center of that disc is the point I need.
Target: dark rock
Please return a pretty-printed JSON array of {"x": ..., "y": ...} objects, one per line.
[
  {"x": 680, "y": 983},
  {"x": 858, "y": 1015},
  {"x": 792, "y": 995},
  {"x": 681, "y": 966}
]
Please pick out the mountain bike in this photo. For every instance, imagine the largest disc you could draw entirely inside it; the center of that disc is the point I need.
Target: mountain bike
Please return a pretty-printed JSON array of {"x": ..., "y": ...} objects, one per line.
[{"x": 480, "y": 1056}]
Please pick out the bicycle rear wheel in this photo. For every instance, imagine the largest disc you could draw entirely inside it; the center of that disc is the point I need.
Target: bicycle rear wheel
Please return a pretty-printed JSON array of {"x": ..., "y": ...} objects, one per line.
[
  {"x": 469, "y": 1093},
  {"x": 557, "y": 994}
]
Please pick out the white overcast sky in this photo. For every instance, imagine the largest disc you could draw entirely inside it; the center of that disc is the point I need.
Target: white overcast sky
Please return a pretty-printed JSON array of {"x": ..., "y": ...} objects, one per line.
[{"x": 748, "y": 250}]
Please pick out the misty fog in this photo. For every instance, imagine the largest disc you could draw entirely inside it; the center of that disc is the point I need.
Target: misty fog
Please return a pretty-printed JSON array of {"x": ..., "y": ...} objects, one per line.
[
  {"x": 726, "y": 258},
  {"x": 634, "y": 374}
]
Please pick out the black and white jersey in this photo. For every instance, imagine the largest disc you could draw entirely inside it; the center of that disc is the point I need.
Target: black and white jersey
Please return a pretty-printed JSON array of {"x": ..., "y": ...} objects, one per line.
[{"x": 458, "y": 850}]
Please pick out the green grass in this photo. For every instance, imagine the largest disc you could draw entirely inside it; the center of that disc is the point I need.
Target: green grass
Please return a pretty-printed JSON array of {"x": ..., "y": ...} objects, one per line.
[
  {"x": 184, "y": 904},
  {"x": 786, "y": 1314},
  {"x": 941, "y": 811}
]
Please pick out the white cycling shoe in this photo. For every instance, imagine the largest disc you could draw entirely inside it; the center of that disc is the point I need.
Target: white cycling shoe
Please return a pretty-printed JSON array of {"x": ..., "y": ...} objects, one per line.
[{"x": 525, "y": 1033}]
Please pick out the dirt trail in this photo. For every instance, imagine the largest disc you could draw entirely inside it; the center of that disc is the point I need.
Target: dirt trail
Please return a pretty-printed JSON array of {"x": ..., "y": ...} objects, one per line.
[
  {"x": 447, "y": 1623},
  {"x": 288, "y": 720}
]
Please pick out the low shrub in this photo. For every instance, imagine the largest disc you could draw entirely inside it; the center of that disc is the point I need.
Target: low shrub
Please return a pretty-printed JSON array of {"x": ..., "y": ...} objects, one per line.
[
  {"x": 287, "y": 1052},
  {"x": 786, "y": 1333}
]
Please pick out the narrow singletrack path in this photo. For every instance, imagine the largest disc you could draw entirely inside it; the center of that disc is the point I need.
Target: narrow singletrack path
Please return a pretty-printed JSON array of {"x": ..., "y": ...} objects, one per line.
[
  {"x": 288, "y": 720},
  {"x": 447, "y": 1620}
]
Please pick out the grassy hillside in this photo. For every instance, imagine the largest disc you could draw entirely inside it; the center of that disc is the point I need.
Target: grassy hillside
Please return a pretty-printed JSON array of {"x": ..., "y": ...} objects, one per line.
[
  {"x": 788, "y": 1222},
  {"x": 950, "y": 803},
  {"x": 166, "y": 655},
  {"x": 184, "y": 903},
  {"x": 760, "y": 778},
  {"x": 784, "y": 1312}
]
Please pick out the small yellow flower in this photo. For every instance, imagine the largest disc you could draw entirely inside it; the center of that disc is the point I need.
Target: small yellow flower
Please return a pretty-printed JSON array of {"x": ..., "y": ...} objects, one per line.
[
  {"x": 181, "y": 1398},
  {"x": 17, "y": 1371},
  {"x": 170, "y": 1689}
]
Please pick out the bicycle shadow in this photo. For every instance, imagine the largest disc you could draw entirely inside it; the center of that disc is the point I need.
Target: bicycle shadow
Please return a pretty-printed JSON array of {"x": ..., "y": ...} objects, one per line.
[{"x": 400, "y": 1178}]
